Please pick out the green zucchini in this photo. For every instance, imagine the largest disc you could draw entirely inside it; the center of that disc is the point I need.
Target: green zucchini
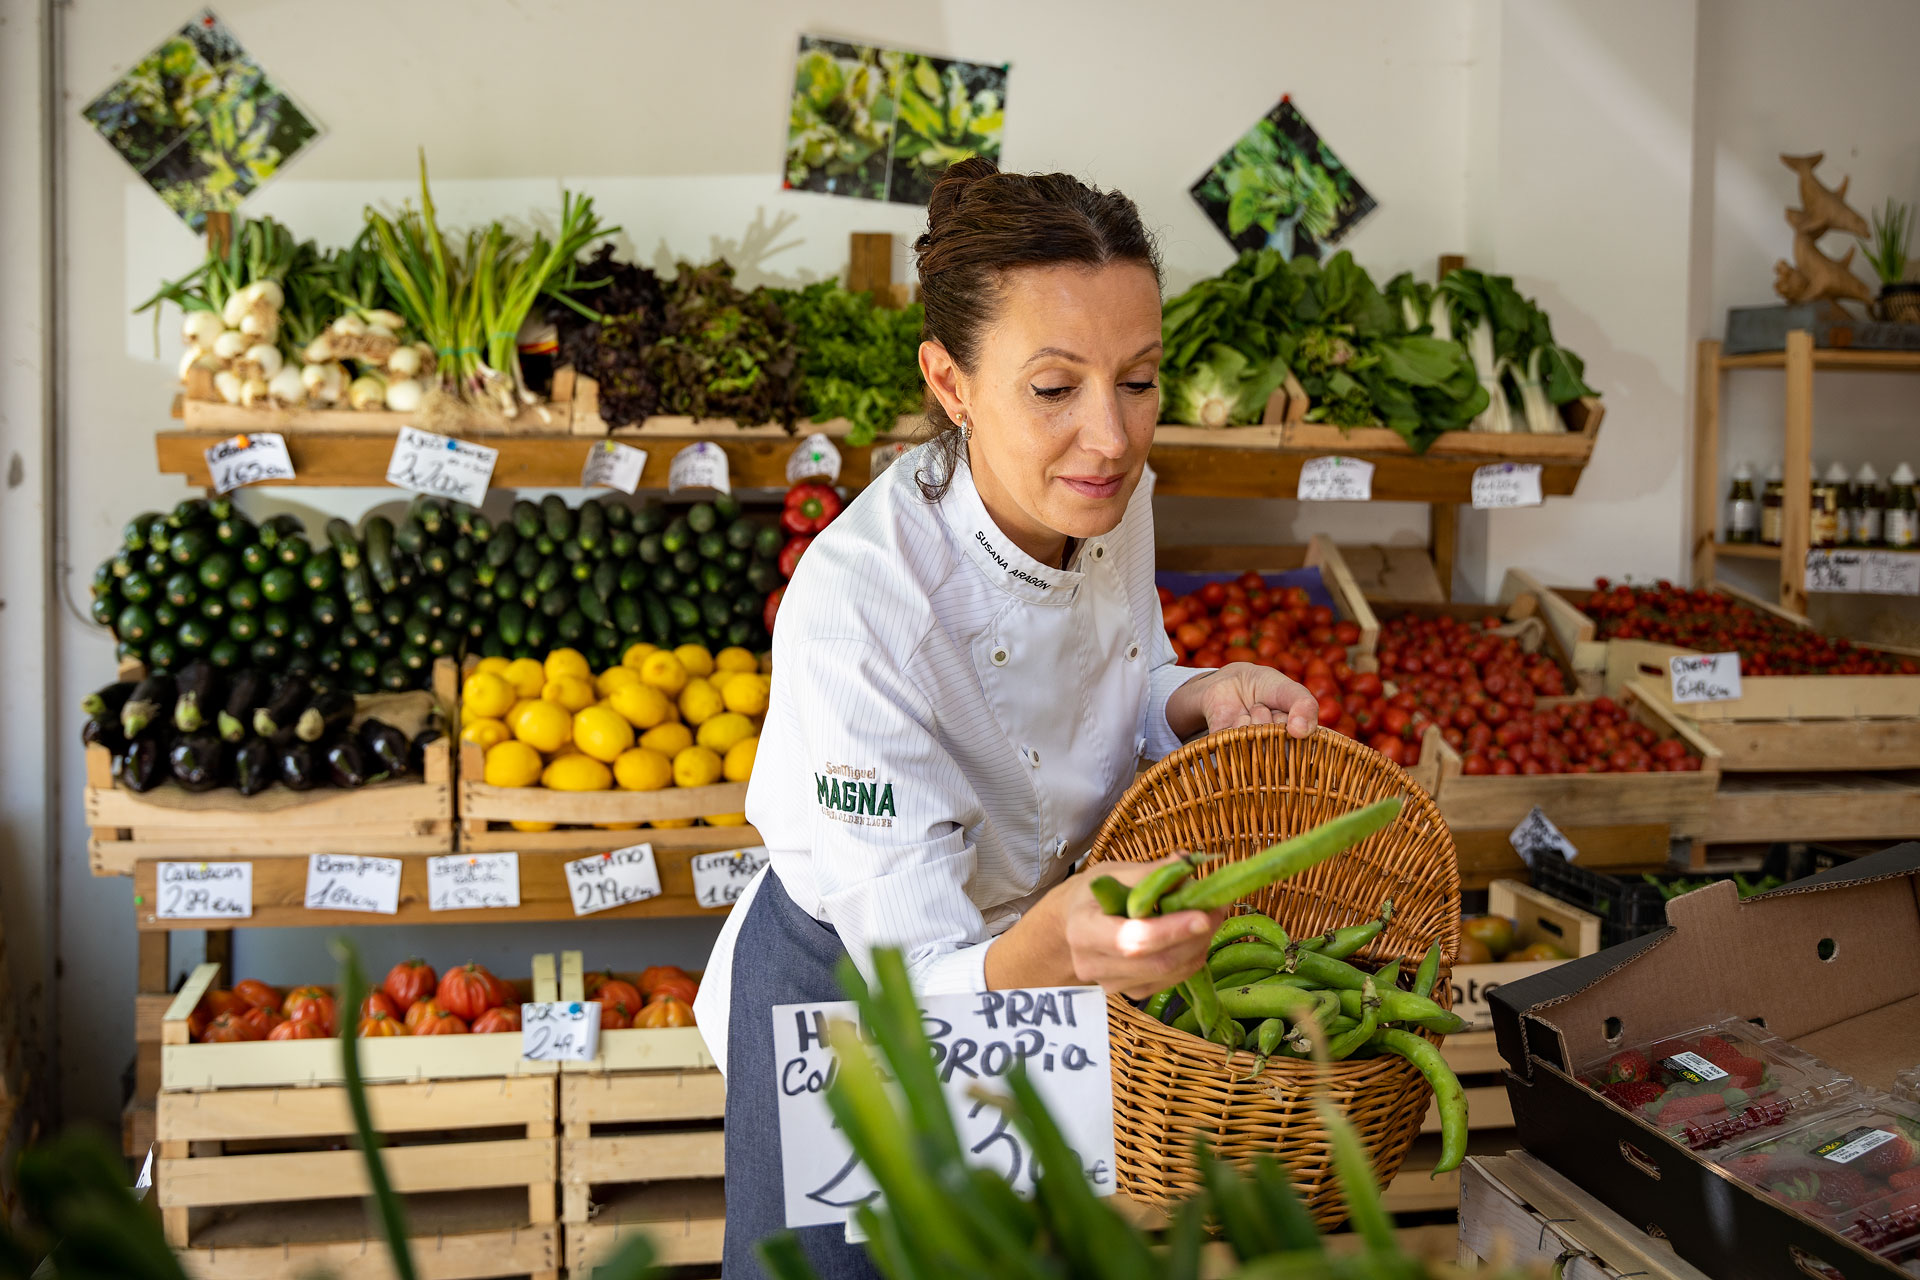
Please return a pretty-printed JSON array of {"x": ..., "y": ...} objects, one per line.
[
  {"x": 321, "y": 571},
  {"x": 190, "y": 546},
  {"x": 273, "y": 530},
  {"x": 379, "y": 540},
  {"x": 235, "y": 531},
  {"x": 590, "y": 531},
  {"x": 557, "y": 517},
  {"x": 188, "y": 513},
  {"x": 133, "y": 535},
  {"x": 325, "y": 611},
  {"x": 526, "y": 519},
  {"x": 346, "y": 547},
  {"x": 357, "y": 585},
  {"x": 217, "y": 571},
  {"x": 293, "y": 551},
  {"x": 243, "y": 625},
  {"x": 133, "y": 625},
  {"x": 279, "y": 585},
  {"x": 410, "y": 537},
  {"x": 255, "y": 559},
  {"x": 213, "y": 607},
  {"x": 182, "y": 589}
]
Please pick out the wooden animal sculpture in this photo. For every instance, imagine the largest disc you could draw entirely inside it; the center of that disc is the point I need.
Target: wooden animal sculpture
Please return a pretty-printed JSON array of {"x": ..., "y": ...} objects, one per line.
[{"x": 1812, "y": 275}]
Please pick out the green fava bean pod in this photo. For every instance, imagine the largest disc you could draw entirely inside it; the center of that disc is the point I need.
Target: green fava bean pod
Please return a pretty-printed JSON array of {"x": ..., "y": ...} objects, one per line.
[
  {"x": 1110, "y": 894},
  {"x": 1449, "y": 1098},
  {"x": 1143, "y": 899},
  {"x": 1289, "y": 858},
  {"x": 1429, "y": 972},
  {"x": 1344, "y": 1045},
  {"x": 1266, "y": 1038}
]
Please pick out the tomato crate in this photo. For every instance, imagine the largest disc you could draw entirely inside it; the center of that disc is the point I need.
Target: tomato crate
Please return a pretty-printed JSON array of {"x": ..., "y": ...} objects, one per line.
[
  {"x": 404, "y": 815},
  {"x": 643, "y": 1146},
  {"x": 1681, "y": 801},
  {"x": 258, "y": 1176},
  {"x": 1318, "y": 567},
  {"x": 1778, "y": 723}
]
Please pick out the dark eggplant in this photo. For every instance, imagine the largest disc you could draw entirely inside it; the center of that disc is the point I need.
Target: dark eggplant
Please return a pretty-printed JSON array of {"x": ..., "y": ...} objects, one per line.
[
  {"x": 299, "y": 768},
  {"x": 143, "y": 765},
  {"x": 108, "y": 701},
  {"x": 196, "y": 695},
  {"x": 347, "y": 764},
  {"x": 198, "y": 760},
  {"x": 330, "y": 709},
  {"x": 244, "y": 696},
  {"x": 253, "y": 766},
  {"x": 417, "y": 751},
  {"x": 385, "y": 745},
  {"x": 104, "y": 730},
  {"x": 290, "y": 697},
  {"x": 151, "y": 700}
]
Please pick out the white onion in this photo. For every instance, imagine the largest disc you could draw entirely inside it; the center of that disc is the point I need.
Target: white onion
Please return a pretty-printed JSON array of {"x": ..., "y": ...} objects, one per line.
[
  {"x": 261, "y": 325},
  {"x": 367, "y": 392},
  {"x": 228, "y": 384},
  {"x": 287, "y": 386},
  {"x": 404, "y": 396},
  {"x": 268, "y": 358},
  {"x": 195, "y": 358},
  {"x": 312, "y": 375},
  {"x": 404, "y": 362},
  {"x": 201, "y": 329},
  {"x": 349, "y": 326},
  {"x": 324, "y": 382},
  {"x": 391, "y": 321},
  {"x": 238, "y": 304},
  {"x": 230, "y": 344},
  {"x": 380, "y": 331},
  {"x": 319, "y": 351},
  {"x": 269, "y": 292},
  {"x": 253, "y": 389}
]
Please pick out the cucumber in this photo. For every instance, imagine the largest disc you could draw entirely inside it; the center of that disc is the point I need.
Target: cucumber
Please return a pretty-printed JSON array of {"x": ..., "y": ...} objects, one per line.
[
  {"x": 493, "y": 647},
  {"x": 279, "y": 527},
  {"x": 460, "y": 583},
  {"x": 136, "y": 588},
  {"x": 213, "y": 607},
  {"x": 734, "y": 561},
  {"x": 235, "y": 531},
  {"x": 190, "y": 546},
  {"x": 506, "y": 585},
  {"x": 379, "y": 539},
  {"x": 711, "y": 546},
  {"x": 741, "y": 533},
  {"x": 181, "y": 590},
  {"x": 552, "y": 573},
  {"x": 676, "y": 536},
  {"x": 357, "y": 585},
  {"x": 767, "y": 542},
  {"x": 701, "y": 517},
  {"x": 649, "y": 517},
  {"x": 484, "y": 576},
  {"x": 582, "y": 572},
  {"x": 346, "y": 547},
  {"x": 484, "y": 602},
  {"x": 763, "y": 577},
  {"x": 243, "y": 625},
  {"x": 526, "y": 519},
  {"x": 619, "y": 514},
  {"x": 321, "y": 572},
  {"x": 465, "y": 550},
  {"x": 279, "y": 585},
  {"x": 685, "y": 614},
  {"x": 715, "y": 611},
  {"x": 557, "y": 518},
  {"x": 621, "y": 542},
  {"x": 133, "y": 625},
  {"x": 727, "y": 507},
  {"x": 530, "y": 596},
  {"x": 713, "y": 578},
  {"x": 512, "y": 623},
  {"x": 527, "y": 560},
  {"x": 574, "y": 553},
  {"x": 506, "y": 541},
  {"x": 406, "y": 569},
  {"x": 606, "y": 577},
  {"x": 592, "y": 607},
  {"x": 633, "y": 576},
  {"x": 555, "y": 602},
  {"x": 326, "y": 611},
  {"x": 571, "y": 627},
  {"x": 133, "y": 535},
  {"x": 749, "y": 605},
  {"x": 606, "y": 642},
  {"x": 665, "y": 580},
  {"x": 217, "y": 571},
  {"x": 255, "y": 558},
  {"x": 745, "y": 633},
  {"x": 535, "y": 637},
  {"x": 686, "y": 561},
  {"x": 590, "y": 531},
  {"x": 293, "y": 551},
  {"x": 628, "y": 616}
]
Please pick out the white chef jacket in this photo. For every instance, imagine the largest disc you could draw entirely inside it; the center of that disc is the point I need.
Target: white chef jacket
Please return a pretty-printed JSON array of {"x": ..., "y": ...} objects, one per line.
[{"x": 951, "y": 721}]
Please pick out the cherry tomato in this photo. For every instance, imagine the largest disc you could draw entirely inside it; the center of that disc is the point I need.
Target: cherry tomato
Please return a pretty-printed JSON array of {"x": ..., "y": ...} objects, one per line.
[{"x": 1214, "y": 594}]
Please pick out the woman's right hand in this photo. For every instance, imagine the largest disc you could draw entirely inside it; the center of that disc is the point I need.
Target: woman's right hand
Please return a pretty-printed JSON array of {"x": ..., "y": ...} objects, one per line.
[{"x": 1133, "y": 957}]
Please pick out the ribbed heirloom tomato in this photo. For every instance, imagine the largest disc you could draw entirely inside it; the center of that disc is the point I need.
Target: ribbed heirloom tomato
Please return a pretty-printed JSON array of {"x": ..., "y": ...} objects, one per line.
[
  {"x": 261, "y": 1019},
  {"x": 667, "y": 980},
  {"x": 467, "y": 992},
  {"x": 310, "y": 1004},
  {"x": 228, "y": 1029},
  {"x": 618, "y": 991},
  {"x": 614, "y": 1017},
  {"x": 419, "y": 1011},
  {"x": 254, "y": 992},
  {"x": 381, "y": 1023},
  {"x": 298, "y": 1029},
  {"x": 665, "y": 1012},
  {"x": 378, "y": 1002},
  {"x": 441, "y": 1023},
  {"x": 503, "y": 1018},
  {"x": 409, "y": 981}
]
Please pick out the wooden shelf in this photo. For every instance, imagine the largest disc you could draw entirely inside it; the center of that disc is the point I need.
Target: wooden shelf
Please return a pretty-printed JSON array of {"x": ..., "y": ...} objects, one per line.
[
  {"x": 1831, "y": 358},
  {"x": 1747, "y": 550}
]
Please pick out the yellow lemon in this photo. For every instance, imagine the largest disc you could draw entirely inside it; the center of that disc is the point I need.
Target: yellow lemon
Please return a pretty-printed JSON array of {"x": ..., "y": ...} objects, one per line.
[
  {"x": 544, "y": 726},
  {"x": 514, "y": 712},
  {"x": 575, "y": 693},
  {"x": 488, "y": 694},
  {"x": 700, "y": 702},
  {"x": 642, "y": 705},
  {"x": 526, "y": 676},
  {"x": 521, "y": 825},
  {"x": 493, "y": 666},
  {"x": 618, "y": 826},
  {"x": 738, "y": 766},
  {"x": 734, "y": 658},
  {"x": 695, "y": 658},
  {"x": 668, "y": 739},
  {"x": 643, "y": 770},
  {"x": 663, "y": 671},
  {"x": 720, "y": 732},
  {"x": 696, "y": 767},
  {"x": 721, "y": 679},
  {"x": 576, "y": 773},
  {"x": 614, "y": 679},
  {"x": 601, "y": 733},
  {"x": 637, "y": 654},
  {"x": 725, "y": 819},
  {"x": 670, "y": 824},
  {"x": 512, "y": 764},
  {"x": 488, "y": 733},
  {"x": 567, "y": 662},
  {"x": 747, "y": 695}
]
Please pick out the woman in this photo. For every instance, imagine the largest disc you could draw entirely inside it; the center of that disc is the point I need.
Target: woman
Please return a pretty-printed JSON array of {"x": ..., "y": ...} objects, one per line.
[{"x": 969, "y": 664}]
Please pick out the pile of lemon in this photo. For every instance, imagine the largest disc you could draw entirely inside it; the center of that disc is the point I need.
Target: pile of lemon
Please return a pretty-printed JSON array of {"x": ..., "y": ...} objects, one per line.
[{"x": 680, "y": 717}]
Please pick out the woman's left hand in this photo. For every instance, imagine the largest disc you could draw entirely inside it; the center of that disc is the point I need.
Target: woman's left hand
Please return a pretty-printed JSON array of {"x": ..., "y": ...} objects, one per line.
[{"x": 1241, "y": 693}]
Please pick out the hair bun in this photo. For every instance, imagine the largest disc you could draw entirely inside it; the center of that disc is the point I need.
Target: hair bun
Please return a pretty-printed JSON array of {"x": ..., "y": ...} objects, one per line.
[{"x": 953, "y": 184}]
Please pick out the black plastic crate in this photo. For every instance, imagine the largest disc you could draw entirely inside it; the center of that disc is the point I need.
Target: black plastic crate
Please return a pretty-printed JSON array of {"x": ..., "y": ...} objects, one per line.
[{"x": 1632, "y": 906}]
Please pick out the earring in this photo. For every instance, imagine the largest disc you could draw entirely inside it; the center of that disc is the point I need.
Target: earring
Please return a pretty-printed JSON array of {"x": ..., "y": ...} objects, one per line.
[{"x": 966, "y": 428}]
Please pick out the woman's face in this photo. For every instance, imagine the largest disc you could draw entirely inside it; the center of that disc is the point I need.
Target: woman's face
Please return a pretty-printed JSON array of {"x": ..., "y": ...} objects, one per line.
[{"x": 1062, "y": 401}]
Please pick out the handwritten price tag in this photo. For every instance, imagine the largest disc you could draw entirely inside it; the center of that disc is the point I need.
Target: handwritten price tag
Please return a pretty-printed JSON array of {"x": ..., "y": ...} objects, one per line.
[
  {"x": 1713, "y": 677},
  {"x": 814, "y": 457},
  {"x": 560, "y": 1031},
  {"x": 473, "y": 881},
  {"x": 884, "y": 456},
  {"x": 1058, "y": 1033},
  {"x": 441, "y": 466},
  {"x": 1880, "y": 573},
  {"x": 1506, "y": 484},
  {"x": 613, "y": 465},
  {"x": 203, "y": 890},
  {"x": 1335, "y": 480},
  {"x": 720, "y": 878},
  {"x": 249, "y": 459},
  {"x": 701, "y": 465},
  {"x": 336, "y": 883},
  {"x": 609, "y": 880},
  {"x": 1536, "y": 834}
]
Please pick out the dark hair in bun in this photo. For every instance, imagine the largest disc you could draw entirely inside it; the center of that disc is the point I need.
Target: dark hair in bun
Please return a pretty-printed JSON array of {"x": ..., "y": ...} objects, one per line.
[{"x": 981, "y": 224}]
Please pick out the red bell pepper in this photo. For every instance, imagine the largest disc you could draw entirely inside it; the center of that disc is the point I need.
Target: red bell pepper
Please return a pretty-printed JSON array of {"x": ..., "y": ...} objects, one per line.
[
  {"x": 772, "y": 607},
  {"x": 809, "y": 508},
  {"x": 790, "y": 555}
]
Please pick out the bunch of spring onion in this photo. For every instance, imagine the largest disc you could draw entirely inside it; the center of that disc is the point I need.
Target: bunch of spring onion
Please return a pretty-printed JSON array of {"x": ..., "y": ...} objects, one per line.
[
  {"x": 469, "y": 302},
  {"x": 363, "y": 354},
  {"x": 233, "y": 303},
  {"x": 1527, "y": 374}
]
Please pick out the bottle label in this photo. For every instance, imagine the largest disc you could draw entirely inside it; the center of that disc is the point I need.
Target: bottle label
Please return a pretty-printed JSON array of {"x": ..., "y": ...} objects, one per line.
[
  {"x": 1900, "y": 527},
  {"x": 1866, "y": 526},
  {"x": 1770, "y": 525},
  {"x": 1743, "y": 519}
]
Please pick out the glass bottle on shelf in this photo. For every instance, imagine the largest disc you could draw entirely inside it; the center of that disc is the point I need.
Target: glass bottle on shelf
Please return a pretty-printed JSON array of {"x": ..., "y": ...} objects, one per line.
[
  {"x": 1828, "y": 497},
  {"x": 1743, "y": 511},
  {"x": 1869, "y": 506},
  {"x": 1902, "y": 526},
  {"x": 1772, "y": 497}
]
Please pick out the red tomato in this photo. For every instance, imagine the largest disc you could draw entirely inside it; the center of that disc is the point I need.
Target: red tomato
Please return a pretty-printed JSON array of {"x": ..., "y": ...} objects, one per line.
[
  {"x": 1251, "y": 581},
  {"x": 467, "y": 992},
  {"x": 1166, "y": 596},
  {"x": 1214, "y": 594},
  {"x": 310, "y": 1003},
  {"x": 1240, "y": 635},
  {"x": 1259, "y": 603},
  {"x": 1239, "y": 653},
  {"x": 502, "y": 1018},
  {"x": 1330, "y": 710},
  {"x": 252, "y": 991},
  {"x": 619, "y": 991},
  {"x": 408, "y": 982},
  {"x": 262, "y": 1020},
  {"x": 1192, "y": 634},
  {"x": 1172, "y": 615},
  {"x": 378, "y": 1002},
  {"x": 1209, "y": 657},
  {"x": 229, "y": 1029},
  {"x": 1233, "y": 612},
  {"x": 1474, "y": 763},
  {"x": 1505, "y": 767},
  {"x": 1365, "y": 684},
  {"x": 1346, "y": 632},
  {"x": 298, "y": 1029},
  {"x": 1348, "y": 726}
]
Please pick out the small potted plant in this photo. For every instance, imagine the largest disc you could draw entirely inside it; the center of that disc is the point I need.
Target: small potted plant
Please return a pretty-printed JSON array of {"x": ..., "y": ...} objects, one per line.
[{"x": 1887, "y": 253}]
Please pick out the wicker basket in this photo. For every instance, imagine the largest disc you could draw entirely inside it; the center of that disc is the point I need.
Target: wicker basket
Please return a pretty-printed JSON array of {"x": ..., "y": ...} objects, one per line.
[{"x": 1234, "y": 793}]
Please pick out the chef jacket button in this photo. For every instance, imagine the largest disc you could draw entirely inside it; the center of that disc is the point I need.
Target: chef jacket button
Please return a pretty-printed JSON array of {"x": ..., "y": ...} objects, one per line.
[
  {"x": 1133, "y": 651},
  {"x": 1099, "y": 551},
  {"x": 1033, "y": 757},
  {"x": 1059, "y": 846},
  {"x": 999, "y": 655}
]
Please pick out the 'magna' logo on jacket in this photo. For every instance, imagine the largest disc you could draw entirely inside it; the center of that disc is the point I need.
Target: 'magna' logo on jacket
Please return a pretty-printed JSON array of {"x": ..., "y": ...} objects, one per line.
[{"x": 854, "y": 801}]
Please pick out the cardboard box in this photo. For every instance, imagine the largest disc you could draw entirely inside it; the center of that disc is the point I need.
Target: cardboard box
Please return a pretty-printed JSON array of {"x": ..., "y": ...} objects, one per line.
[
  {"x": 1831, "y": 964},
  {"x": 1537, "y": 917}
]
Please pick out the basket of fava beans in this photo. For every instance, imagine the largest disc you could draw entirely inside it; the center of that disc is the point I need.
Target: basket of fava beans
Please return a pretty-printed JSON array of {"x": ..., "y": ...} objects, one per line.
[{"x": 1328, "y": 983}]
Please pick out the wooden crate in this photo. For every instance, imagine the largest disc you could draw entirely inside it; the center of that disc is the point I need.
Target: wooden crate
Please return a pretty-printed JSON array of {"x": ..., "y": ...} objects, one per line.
[
  {"x": 1522, "y": 612},
  {"x": 1537, "y": 917},
  {"x": 1582, "y": 418},
  {"x": 1349, "y": 603},
  {"x": 1266, "y": 434},
  {"x": 1680, "y": 801},
  {"x": 256, "y": 1173},
  {"x": 408, "y": 815},
  {"x": 643, "y": 1145},
  {"x": 1779, "y": 723},
  {"x": 1518, "y": 1214},
  {"x": 216, "y": 415}
]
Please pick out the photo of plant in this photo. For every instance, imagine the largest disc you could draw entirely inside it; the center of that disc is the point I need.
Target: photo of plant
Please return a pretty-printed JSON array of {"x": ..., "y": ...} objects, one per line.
[
  {"x": 1282, "y": 187},
  {"x": 201, "y": 121},
  {"x": 880, "y": 124}
]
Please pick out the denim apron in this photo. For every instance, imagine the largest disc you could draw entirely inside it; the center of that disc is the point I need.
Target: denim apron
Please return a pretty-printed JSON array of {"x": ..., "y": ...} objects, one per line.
[{"x": 782, "y": 956}]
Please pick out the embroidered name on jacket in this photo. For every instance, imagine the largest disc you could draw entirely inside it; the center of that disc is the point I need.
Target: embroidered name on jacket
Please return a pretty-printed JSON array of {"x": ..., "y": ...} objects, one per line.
[
  {"x": 980, "y": 535},
  {"x": 864, "y": 804}
]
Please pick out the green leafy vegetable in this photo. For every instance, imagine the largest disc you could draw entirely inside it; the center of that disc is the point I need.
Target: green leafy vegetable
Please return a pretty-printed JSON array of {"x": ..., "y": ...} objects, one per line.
[
  {"x": 859, "y": 360},
  {"x": 724, "y": 353}
]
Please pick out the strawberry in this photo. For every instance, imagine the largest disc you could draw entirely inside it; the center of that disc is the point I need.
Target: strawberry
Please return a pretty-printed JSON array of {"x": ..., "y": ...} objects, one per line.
[
  {"x": 1835, "y": 1188},
  {"x": 1714, "y": 1048},
  {"x": 1744, "y": 1072},
  {"x": 1634, "y": 1094},
  {"x": 1752, "y": 1166},
  {"x": 1905, "y": 1180},
  {"x": 1677, "y": 1108},
  {"x": 1888, "y": 1158},
  {"x": 1628, "y": 1065}
]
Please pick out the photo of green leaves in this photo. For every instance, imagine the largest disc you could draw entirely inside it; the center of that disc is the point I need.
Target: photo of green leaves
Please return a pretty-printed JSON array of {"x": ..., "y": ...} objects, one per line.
[
  {"x": 1282, "y": 187},
  {"x": 201, "y": 121},
  {"x": 880, "y": 124}
]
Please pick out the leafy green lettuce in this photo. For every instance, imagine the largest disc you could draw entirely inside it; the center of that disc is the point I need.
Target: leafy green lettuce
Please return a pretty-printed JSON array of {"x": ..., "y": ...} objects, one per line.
[{"x": 858, "y": 360}]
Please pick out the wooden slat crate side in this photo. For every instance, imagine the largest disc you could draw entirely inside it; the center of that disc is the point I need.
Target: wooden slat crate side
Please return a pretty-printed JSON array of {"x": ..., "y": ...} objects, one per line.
[
  {"x": 324, "y": 1111},
  {"x": 685, "y": 1222},
  {"x": 531, "y": 1250},
  {"x": 629, "y": 1097},
  {"x": 480, "y": 802},
  {"x": 644, "y": 1157},
  {"x": 199, "y": 1181}
]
